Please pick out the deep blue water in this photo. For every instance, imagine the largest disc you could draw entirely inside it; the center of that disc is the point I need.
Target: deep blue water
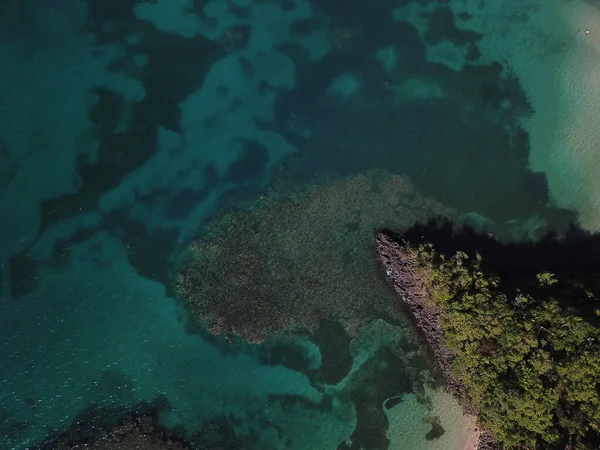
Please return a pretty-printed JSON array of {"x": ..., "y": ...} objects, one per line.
[{"x": 125, "y": 125}]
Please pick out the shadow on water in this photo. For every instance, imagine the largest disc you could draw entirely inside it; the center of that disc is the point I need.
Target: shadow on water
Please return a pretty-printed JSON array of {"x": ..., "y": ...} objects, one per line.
[
  {"x": 577, "y": 250},
  {"x": 573, "y": 256}
]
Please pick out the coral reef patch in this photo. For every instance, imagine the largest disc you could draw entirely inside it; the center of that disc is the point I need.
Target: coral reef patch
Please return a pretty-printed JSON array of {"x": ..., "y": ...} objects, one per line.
[{"x": 296, "y": 260}]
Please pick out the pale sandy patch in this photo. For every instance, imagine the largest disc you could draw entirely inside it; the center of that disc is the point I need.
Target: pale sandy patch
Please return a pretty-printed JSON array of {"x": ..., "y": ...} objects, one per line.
[
  {"x": 553, "y": 47},
  {"x": 408, "y": 425},
  {"x": 473, "y": 434}
]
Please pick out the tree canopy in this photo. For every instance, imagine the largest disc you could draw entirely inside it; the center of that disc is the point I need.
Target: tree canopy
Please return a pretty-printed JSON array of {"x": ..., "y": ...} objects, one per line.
[{"x": 526, "y": 351}]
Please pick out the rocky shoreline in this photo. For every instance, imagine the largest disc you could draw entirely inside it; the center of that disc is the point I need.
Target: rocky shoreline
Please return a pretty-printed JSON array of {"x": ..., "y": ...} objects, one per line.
[{"x": 400, "y": 263}]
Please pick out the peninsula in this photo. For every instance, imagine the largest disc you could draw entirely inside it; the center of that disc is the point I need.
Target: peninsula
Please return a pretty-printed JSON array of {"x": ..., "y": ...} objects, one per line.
[{"x": 520, "y": 351}]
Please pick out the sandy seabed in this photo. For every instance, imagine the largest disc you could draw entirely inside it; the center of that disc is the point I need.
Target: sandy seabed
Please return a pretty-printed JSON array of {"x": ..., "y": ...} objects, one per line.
[
  {"x": 408, "y": 427},
  {"x": 553, "y": 47}
]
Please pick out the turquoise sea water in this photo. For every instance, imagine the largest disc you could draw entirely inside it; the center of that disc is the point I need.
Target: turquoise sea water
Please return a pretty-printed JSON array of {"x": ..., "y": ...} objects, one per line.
[{"x": 124, "y": 125}]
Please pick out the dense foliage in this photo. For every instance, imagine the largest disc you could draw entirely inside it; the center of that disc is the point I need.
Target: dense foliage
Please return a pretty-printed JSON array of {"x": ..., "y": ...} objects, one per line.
[{"x": 525, "y": 349}]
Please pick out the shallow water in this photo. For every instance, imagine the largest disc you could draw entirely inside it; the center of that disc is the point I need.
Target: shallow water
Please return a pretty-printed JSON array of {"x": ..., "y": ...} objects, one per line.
[{"x": 125, "y": 125}]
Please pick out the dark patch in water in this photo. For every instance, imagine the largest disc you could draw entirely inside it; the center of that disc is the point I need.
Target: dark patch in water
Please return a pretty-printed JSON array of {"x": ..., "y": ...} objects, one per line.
[
  {"x": 264, "y": 88},
  {"x": 287, "y": 5},
  {"x": 181, "y": 202},
  {"x": 113, "y": 388},
  {"x": 391, "y": 402},
  {"x": 375, "y": 18},
  {"x": 23, "y": 272},
  {"x": 246, "y": 67},
  {"x": 148, "y": 252},
  {"x": 437, "y": 431},
  {"x": 11, "y": 427},
  {"x": 537, "y": 185},
  {"x": 292, "y": 402},
  {"x": 383, "y": 134},
  {"x": 336, "y": 361},
  {"x": 95, "y": 423},
  {"x": 217, "y": 433},
  {"x": 108, "y": 20},
  {"x": 250, "y": 164},
  {"x": 236, "y": 103},
  {"x": 62, "y": 248},
  {"x": 291, "y": 355},
  {"x": 239, "y": 12},
  {"x": 178, "y": 204},
  {"x": 382, "y": 377},
  {"x": 441, "y": 27},
  {"x": 176, "y": 67},
  {"x": 427, "y": 139}
]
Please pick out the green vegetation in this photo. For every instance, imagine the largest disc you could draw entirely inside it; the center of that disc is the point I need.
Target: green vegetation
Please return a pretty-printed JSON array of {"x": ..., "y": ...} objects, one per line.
[{"x": 526, "y": 349}]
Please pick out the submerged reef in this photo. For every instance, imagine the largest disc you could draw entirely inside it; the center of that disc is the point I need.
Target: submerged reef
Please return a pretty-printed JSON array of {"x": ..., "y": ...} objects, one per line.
[
  {"x": 139, "y": 427},
  {"x": 404, "y": 269},
  {"x": 295, "y": 260},
  {"x": 137, "y": 432},
  {"x": 520, "y": 349}
]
